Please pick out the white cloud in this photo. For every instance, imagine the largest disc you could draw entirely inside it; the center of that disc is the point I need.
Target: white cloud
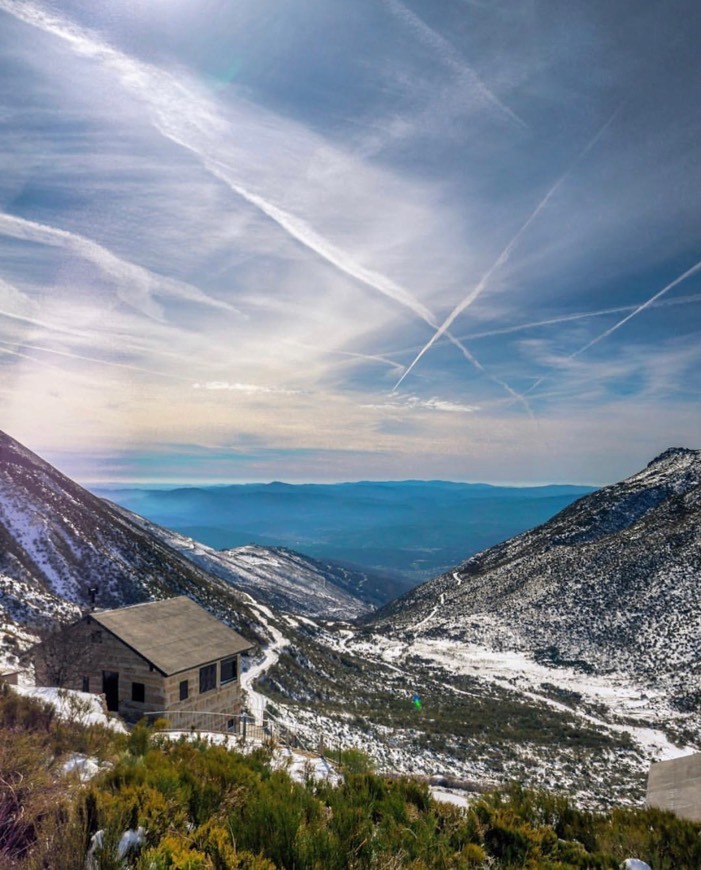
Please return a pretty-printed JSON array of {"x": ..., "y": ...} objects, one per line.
[
  {"x": 248, "y": 389},
  {"x": 398, "y": 402}
]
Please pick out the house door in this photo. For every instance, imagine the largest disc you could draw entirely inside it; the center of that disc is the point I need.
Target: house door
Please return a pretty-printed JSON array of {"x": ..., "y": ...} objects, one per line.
[{"x": 110, "y": 689}]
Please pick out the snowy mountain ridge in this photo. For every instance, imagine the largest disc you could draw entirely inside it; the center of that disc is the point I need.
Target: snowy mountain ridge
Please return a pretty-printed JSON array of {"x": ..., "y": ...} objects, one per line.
[{"x": 281, "y": 578}]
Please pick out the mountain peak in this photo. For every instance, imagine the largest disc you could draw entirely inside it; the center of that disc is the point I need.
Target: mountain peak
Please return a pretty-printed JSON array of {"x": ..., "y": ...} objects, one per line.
[{"x": 674, "y": 453}]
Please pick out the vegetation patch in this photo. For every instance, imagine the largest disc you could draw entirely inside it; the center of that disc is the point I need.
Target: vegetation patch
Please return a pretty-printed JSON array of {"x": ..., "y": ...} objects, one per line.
[{"x": 203, "y": 807}]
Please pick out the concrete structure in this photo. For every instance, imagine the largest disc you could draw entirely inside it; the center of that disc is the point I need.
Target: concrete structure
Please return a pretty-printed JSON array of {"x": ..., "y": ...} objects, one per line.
[
  {"x": 169, "y": 655},
  {"x": 676, "y": 785}
]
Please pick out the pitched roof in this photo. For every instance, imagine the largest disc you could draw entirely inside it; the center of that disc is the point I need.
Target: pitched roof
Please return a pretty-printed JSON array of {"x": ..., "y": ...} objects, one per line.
[{"x": 174, "y": 634}]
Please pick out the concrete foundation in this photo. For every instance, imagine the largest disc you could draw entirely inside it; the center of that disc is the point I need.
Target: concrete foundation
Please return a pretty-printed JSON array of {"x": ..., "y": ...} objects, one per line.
[{"x": 676, "y": 785}]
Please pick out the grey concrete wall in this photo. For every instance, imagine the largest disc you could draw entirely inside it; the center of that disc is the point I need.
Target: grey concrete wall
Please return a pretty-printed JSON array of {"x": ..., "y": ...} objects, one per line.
[{"x": 676, "y": 785}]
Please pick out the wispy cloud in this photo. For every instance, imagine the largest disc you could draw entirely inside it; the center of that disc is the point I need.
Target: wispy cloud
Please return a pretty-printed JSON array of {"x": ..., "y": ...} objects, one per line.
[
  {"x": 469, "y": 80},
  {"x": 186, "y": 119},
  {"x": 399, "y": 402},
  {"x": 135, "y": 285}
]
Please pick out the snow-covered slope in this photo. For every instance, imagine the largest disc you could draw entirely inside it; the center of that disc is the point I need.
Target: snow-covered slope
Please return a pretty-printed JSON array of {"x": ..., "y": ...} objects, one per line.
[
  {"x": 611, "y": 584},
  {"x": 276, "y": 576},
  {"x": 567, "y": 657}
]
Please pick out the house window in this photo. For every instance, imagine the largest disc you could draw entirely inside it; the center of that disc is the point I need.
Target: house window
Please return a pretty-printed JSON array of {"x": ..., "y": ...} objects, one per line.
[
  {"x": 184, "y": 689},
  {"x": 227, "y": 670},
  {"x": 96, "y": 636},
  {"x": 208, "y": 678},
  {"x": 86, "y": 684},
  {"x": 138, "y": 692}
]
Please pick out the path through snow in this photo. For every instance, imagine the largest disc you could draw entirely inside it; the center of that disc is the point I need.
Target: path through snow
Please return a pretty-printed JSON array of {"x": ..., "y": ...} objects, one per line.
[{"x": 256, "y": 701}]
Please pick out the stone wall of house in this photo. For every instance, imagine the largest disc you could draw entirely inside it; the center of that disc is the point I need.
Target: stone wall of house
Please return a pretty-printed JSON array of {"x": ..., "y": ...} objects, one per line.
[
  {"x": 90, "y": 650},
  {"x": 676, "y": 785},
  {"x": 223, "y": 700}
]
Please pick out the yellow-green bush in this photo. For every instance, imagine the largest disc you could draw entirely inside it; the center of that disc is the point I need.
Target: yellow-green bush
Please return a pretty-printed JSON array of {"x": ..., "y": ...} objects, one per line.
[{"x": 205, "y": 808}]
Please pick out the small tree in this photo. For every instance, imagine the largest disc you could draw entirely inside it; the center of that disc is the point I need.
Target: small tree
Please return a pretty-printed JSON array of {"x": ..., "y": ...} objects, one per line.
[{"x": 64, "y": 656}]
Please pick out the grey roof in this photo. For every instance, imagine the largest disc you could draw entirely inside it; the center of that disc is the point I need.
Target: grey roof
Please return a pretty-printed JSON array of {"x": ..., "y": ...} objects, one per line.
[{"x": 174, "y": 634}]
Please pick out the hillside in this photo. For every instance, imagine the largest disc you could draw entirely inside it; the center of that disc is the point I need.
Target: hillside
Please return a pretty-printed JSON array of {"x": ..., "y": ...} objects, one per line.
[
  {"x": 566, "y": 657},
  {"x": 611, "y": 584},
  {"x": 279, "y": 577},
  {"x": 520, "y": 657}
]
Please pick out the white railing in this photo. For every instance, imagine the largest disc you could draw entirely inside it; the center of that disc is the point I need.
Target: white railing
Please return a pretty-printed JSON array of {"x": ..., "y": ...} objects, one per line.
[{"x": 241, "y": 726}]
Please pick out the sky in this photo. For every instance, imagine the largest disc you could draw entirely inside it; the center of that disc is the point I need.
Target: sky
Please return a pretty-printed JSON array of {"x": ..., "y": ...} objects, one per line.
[{"x": 245, "y": 240}]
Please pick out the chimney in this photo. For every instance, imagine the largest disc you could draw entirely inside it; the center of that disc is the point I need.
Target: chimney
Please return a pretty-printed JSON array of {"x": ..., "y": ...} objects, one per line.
[{"x": 92, "y": 594}]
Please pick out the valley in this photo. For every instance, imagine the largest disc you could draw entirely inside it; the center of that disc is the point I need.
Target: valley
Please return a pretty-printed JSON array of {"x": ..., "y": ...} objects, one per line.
[{"x": 566, "y": 657}]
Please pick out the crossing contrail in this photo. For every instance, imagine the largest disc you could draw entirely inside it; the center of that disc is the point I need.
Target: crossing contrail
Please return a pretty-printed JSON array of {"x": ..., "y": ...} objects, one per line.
[
  {"x": 688, "y": 274},
  {"x": 504, "y": 255}
]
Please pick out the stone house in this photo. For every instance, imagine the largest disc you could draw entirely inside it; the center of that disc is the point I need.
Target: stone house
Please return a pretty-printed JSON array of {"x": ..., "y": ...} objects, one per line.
[{"x": 169, "y": 655}]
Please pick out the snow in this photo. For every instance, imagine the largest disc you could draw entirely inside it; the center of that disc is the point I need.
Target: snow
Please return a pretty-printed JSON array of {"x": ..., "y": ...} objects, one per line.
[
  {"x": 30, "y": 531},
  {"x": 82, "y": 765},
  {"x": 289, "y": 580},
  {"x": 449, "y": 796},
  {"x": 514, "y": 671},
  {"x": 81, "y": 707},
  {"x": 301, "y": 766},
  {"x": 635, "y": 864}
]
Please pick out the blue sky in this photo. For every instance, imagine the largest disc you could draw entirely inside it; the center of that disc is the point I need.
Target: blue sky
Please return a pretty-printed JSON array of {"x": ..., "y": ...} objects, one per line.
[{"x": 342, "y": 239}]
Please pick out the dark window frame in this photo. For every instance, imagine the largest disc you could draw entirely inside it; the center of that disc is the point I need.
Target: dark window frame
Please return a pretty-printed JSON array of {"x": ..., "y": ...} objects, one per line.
[
  {"x": 138, "y": 692},
  {"x": 208, "y": 678},
  {"x": 226, "y": 675},
  {"x": 184, "y": 690}
]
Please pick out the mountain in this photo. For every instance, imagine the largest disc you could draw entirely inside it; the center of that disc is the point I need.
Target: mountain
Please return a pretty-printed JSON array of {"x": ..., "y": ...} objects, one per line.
[
  {"x": 57, "y": 541},
  {"x": 612, "y": 584},
  {"x": 567, "y": 657},
  {"x": 279, "y": 577},
  {"x": 409, "y": 530}
]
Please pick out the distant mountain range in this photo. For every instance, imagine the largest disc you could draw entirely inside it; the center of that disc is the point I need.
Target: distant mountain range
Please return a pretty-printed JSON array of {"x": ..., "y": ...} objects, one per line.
[{"x": 411, "y": 530}]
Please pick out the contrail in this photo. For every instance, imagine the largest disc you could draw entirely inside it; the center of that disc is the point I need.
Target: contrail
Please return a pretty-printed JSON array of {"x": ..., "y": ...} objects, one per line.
[
  {"x": 688, "y": 274},
  {"x": 448, "y": 53},
  {"x": 135, "y": 283},
  {"x": 506, "y": 253},
  {"x": 84, "y": 358},
  {"x": 178, "y": 113},
  {"x": 568, "y": 318},
  {"x": 650, "y": 303}
]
